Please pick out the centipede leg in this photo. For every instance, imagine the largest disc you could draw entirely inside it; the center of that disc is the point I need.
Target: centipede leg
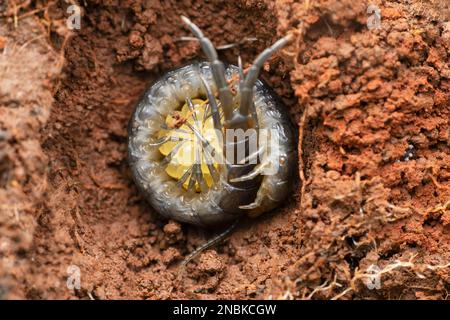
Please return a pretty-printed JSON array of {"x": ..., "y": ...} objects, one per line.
[{"x": 212, "y": 242}]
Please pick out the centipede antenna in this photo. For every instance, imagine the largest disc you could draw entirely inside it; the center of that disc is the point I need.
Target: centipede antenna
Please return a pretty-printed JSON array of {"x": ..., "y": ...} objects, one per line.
[
  {"x": 210, "y": 243},
  {"x": 241, "y": 85},
  {"x": 212, "y": 102},
  {"x": 217, "y": 68},
  {"x": 253, "y": 73}
]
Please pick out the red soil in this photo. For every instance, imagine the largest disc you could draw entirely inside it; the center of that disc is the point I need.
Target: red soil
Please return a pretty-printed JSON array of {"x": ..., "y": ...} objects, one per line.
[{"x": 372, "y": 107}]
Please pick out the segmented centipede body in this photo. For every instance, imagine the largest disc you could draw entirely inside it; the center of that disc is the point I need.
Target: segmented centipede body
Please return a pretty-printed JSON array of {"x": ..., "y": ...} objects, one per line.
[{"x": 208, "y": 143}]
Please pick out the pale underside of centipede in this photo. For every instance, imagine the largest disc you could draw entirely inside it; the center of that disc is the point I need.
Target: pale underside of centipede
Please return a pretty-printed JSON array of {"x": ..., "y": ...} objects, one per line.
[{"x": 209, "y": 142}]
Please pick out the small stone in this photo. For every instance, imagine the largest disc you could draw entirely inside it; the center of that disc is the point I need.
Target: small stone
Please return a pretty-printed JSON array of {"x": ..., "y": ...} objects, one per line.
[
  {"x": 2, "y": 43},
  {"x": 136, "y": 39},
  {"x": 170, "y": 255},
  {"x": 333, "y": 175},
  {"x": 172, "y": 228},
  {"x": 374, "y": 85},
  {"x": 210, "y": 262}
]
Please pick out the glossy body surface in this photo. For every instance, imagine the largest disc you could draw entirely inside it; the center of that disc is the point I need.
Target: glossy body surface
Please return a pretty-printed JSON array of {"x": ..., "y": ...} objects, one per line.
[{"x": 179, "y": 143}]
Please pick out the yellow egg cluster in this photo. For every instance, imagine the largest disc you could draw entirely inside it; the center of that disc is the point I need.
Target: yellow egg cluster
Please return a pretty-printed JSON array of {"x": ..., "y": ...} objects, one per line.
[{"x": 185, "y": 156}]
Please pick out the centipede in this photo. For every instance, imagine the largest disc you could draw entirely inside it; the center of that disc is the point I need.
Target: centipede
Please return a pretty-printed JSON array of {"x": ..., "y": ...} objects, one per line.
[{"x": 210, "y": 142}]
